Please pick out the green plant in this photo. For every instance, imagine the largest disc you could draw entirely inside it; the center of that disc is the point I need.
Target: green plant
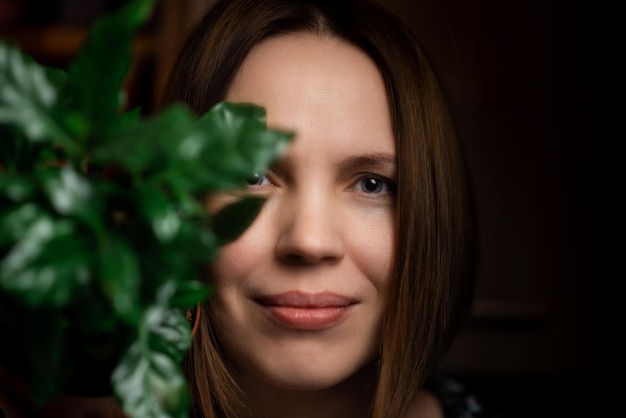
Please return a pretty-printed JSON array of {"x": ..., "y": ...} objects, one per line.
[{"x": 103, "y": 227}]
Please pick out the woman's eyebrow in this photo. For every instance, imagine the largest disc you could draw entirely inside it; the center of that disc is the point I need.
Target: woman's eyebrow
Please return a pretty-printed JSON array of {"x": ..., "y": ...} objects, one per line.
[
  {"x": 351, "y": 163},
  {"x": 369, "y": 160}
]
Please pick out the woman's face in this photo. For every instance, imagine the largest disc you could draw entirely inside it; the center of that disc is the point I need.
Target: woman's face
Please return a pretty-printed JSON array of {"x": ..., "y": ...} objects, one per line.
[{"x": 300, "y": 295}]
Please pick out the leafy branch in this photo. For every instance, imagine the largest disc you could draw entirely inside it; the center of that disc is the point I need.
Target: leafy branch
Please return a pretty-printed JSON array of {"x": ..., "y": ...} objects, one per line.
[{"x": 103, "y": 227}]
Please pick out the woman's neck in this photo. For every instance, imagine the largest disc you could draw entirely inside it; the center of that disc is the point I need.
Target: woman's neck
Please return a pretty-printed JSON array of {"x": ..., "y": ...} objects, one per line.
[{"x": 351, "y": 398}]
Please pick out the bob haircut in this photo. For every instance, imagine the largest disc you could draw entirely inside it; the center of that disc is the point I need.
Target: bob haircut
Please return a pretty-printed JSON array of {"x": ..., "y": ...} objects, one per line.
[{"x": 433, "y": 267}]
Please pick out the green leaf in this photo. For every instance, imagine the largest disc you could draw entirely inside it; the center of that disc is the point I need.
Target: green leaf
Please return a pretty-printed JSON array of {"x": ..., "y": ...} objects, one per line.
[
  {"x": 28, "y": 100},
  {"x": 189, "y": 293},
  {"x": 241, "y": 144},
  {"x": 182, "y": 258},
  {"x": 127, "y": 119},
  {"x": 232, "y": 220},
  {"x": 56, "y": 77},
  {"x": 147, "y": 144},
  {"x": 16, "y": 221},
  {"x": 48, "y": 261},
  {"x": 149, "y": 380},
  {"x": 159, "y": 211},
  {"x": 169, "y": 332},
  {"x": 97, "y": 74},
  {"x": 68, "y": 191},
  {"x": 16, "y": 152},
  {"x": 120, "y": 278}
]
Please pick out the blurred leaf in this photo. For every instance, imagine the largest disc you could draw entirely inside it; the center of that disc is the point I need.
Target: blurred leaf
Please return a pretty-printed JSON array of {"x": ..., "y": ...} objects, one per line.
[
  {"x": 56, "y": 77},
  {"x": 241, "y": 144},
  {"x": 16, "y": 220},
  {"x": 189, "y": 293},
  {"x": 232, "y": 220},
  {"x": 69, "y": 192},
  {"x": 148, "y": 380},
  {"x": 47, "y": 262},
  {"x": 16, "y": 189},
  {"x": 147, "y": 144},
  {"x": 28, "y": 99},
  {"x": 16, "y": 152},
  {"x": 159, "y": 211},
  {"x": 97, "y": 74},
  {"x": 120, "y": 278},
  {"x": 220, "y": 150}
]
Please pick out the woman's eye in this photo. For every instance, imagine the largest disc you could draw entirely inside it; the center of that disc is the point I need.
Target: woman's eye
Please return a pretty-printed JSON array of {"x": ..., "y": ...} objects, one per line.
[
  {"x": 375, "y": 185},
  {"x": 258, "y": 179}
]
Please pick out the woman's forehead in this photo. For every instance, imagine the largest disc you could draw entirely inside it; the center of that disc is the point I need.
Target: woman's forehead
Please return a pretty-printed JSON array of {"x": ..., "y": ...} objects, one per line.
[
  {"x": 328, "y": 65},
  {"x": 322, "y": 86}
]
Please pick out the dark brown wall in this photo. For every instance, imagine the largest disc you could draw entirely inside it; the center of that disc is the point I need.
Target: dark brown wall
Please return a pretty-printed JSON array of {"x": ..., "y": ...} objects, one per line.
[{"x": 516, "y": 73}]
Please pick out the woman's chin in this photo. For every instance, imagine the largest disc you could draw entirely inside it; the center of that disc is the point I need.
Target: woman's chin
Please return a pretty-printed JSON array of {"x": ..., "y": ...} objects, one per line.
[
  {"x": 305, "y": 381},
  {"x": 304, "y": 378}
]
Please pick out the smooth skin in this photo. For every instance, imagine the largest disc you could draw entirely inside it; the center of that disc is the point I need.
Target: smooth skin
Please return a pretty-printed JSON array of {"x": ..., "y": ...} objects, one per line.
[{"x": 326, "y": 227}]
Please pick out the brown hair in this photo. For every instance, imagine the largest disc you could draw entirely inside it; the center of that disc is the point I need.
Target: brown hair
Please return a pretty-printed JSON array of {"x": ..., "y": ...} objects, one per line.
[{"x": 434, "y": 260}]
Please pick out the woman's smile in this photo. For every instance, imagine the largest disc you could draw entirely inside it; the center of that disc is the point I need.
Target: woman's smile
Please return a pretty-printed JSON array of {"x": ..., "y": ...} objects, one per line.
[{"x": 306, "y": 311}]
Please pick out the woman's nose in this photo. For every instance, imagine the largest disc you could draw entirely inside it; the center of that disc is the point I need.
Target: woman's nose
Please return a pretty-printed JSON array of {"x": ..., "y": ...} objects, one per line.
[{"x": 310, "y": 230}]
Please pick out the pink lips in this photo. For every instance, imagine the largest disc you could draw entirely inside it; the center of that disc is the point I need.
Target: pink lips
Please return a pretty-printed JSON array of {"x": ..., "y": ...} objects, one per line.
[{"x": 306, "y": 311}]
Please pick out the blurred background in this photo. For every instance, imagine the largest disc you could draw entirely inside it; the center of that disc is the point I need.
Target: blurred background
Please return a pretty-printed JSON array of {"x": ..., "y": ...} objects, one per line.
[{"x": 516, "y": 75}]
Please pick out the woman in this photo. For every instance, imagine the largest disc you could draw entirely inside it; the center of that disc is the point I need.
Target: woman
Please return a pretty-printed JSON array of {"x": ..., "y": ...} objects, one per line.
[{"x": 343, "y": 296}]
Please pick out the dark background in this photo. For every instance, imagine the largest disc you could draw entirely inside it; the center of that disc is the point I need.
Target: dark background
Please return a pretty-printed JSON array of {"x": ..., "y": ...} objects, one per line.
[{"x": 517, "y": 74}]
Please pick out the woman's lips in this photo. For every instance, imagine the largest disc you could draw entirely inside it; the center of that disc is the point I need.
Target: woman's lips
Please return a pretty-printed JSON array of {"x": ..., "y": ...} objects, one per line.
[{"x": 306, "y": 311}]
